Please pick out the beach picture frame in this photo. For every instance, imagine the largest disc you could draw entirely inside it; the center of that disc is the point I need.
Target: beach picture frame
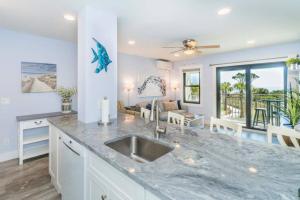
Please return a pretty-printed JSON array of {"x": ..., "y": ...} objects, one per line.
[{"x": 38, "y": 77}]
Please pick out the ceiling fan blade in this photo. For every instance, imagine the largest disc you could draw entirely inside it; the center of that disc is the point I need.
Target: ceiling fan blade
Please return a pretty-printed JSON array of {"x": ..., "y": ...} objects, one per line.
[
  {"x": 171, "y": 47},
  {"x": 208, "y": 47},
  {"x": 176, "y": 51}
]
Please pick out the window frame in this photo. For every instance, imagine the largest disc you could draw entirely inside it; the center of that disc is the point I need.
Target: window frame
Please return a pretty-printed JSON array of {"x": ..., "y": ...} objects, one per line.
[
  {"x": 191, "y": 86},
  {"x": 191, "y": 67}
]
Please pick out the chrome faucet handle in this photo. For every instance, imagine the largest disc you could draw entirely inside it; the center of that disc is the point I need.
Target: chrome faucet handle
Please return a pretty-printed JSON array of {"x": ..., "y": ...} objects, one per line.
[{"x": 159, "y": 131}]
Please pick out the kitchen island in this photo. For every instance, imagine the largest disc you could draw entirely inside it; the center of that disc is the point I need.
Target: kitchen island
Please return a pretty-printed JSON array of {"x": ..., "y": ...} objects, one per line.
[{"x": 201, "y": 166}]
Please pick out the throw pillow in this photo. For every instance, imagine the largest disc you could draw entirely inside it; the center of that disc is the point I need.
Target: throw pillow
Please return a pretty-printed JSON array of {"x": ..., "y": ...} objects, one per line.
[
  {"x": 169, "y": 106},
  {"x": 148, "y": 106}
]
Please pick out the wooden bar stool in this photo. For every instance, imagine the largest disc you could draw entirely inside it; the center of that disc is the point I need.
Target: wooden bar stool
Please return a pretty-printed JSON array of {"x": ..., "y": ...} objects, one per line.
[{"x": 258, "y": 112}]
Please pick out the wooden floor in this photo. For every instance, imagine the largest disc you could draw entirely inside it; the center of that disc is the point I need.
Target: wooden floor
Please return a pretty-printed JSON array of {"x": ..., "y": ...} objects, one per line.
[{"x": 30, "y": 181}]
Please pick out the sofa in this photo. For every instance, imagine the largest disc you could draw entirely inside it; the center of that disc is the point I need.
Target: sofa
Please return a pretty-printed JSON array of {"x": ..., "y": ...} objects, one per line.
[
  {"x": 163, "y": 109},
  {"x": 165, "y": 106}
]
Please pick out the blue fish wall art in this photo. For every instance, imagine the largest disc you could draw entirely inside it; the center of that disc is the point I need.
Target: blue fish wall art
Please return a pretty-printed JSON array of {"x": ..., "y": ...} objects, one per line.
[{"x": 101, "y": 57}]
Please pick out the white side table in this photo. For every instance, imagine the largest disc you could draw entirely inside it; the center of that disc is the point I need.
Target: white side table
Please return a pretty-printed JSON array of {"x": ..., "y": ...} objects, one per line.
[
  {"x": 29, "y": 146},
  {"x": 34, "y": 143}
]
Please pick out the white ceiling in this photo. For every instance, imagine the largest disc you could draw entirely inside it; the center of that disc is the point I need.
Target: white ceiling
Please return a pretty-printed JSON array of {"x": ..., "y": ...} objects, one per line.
[{"x": 157, "y": 23}]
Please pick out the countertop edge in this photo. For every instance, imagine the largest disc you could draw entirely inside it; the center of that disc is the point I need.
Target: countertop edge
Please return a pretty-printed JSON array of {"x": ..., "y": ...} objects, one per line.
[{"x": 42, "y": 115}]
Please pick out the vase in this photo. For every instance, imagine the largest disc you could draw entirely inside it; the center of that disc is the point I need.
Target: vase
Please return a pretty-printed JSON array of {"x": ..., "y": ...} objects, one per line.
[{"x": 66, "y": 106}]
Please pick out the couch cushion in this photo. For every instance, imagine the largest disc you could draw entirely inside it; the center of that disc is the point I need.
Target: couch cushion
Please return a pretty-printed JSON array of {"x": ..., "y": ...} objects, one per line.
[{"x": 170, "y": 106}]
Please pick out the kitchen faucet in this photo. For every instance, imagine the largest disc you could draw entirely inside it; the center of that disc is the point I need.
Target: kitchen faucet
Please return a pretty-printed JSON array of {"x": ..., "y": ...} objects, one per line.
[{"x": 158, "y": 130}]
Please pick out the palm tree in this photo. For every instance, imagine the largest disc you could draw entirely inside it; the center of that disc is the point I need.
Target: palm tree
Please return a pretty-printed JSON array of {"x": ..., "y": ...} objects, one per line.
[
  {"x": 241, "y": 86},
  {"x": 226, "y": 88}
]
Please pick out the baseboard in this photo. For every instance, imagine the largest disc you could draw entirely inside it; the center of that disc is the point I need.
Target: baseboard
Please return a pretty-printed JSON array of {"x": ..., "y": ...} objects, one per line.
[{"x": 8, "y": 156}]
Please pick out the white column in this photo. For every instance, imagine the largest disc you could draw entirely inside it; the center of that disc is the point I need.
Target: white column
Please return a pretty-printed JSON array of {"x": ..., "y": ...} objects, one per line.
[{"x": 93, "y": 87}]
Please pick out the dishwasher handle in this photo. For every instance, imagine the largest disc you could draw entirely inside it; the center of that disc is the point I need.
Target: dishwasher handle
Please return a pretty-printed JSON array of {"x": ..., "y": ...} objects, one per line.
[{"x": 71, "y": 149}]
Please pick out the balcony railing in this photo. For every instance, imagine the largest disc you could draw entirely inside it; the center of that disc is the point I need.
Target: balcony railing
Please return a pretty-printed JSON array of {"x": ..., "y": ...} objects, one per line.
[{"x": 233, "y": 106}]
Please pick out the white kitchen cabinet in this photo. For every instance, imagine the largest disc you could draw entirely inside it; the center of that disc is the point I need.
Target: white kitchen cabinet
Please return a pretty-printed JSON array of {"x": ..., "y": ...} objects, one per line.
[
  {"x": 120, "y": 186},
  {"x": 96, "y": 188}
]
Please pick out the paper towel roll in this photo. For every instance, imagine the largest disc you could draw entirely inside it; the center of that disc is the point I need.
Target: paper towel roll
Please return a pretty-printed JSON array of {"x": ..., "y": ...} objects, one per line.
[{"x": 105, "y": 110}]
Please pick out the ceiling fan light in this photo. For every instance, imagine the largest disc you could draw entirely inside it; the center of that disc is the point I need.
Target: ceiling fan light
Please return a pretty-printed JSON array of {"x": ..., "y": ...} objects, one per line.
[{"x": 189, "y": 51}]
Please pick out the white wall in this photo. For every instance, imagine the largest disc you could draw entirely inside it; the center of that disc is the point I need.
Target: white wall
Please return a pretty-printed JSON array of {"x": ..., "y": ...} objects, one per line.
[
  {"x": 15, "y": 48},
  {"x": 93, "y": 87},
  {"x": 209, "y": 83},
  {"x": 130, "y": 70}
]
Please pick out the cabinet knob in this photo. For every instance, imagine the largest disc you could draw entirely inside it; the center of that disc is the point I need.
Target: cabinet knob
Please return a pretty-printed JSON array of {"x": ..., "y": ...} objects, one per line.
[
  {"x": 70, "y": 142},
  {"x": 103, "y": 197}
]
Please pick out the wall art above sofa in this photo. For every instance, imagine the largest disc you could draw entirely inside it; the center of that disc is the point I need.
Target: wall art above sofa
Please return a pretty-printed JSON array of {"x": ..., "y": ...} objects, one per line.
[{"x": 152, "y": 86}]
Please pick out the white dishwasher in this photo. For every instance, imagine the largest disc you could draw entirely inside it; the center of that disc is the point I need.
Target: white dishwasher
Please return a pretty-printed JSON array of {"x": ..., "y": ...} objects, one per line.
[{"x": 72, "y": 169}]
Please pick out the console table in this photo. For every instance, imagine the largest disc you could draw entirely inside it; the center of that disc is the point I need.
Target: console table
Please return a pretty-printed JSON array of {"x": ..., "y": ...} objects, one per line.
[{"x": 33, "y": 134}]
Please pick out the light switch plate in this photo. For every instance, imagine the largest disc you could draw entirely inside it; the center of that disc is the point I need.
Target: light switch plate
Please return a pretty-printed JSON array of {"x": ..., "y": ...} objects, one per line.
[{"x": 4, "y": 100}]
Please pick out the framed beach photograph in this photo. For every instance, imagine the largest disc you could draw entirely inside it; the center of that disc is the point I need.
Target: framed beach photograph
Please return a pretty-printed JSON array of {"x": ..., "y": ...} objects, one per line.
[{"x": 38, "y": 77}]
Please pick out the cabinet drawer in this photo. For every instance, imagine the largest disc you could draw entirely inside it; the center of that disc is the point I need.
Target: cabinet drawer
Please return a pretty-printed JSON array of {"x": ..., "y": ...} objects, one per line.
[
  {"x": 34, "y": 123},
  {"x": 120, "y": 181}
]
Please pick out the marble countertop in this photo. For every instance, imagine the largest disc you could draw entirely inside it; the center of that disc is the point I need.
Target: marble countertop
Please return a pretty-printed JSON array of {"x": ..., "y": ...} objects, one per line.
[
  {"x": 42, "y": 115},
  {"x": 202, "y": 166}
]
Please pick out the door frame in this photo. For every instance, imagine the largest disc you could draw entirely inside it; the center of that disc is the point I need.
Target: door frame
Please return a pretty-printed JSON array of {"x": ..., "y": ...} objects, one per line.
[{"x": 248, "y": 68}]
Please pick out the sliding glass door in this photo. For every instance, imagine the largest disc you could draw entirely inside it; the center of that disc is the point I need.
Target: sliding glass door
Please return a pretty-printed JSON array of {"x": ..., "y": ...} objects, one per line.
[
  {"x": 232, "y": 102},
  {"x": 251, "y": 94}
]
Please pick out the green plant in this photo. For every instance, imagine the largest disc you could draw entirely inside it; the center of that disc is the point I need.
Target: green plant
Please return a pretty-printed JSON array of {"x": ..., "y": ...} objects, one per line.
[
  {"x": 226, "y": 88},
  {"x": 66, "y": 93},
  {"x": 292, "y": 109},
  {"x": 241, "y": 86},
  {"x": 293, "y": 61}
]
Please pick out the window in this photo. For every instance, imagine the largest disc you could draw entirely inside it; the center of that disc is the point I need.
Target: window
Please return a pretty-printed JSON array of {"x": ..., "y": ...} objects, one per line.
[{"x": 191, "y": 86}]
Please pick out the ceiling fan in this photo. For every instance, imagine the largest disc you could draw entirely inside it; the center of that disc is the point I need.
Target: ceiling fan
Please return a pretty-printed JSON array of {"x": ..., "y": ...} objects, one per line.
[{"x": 190, "y": 47}]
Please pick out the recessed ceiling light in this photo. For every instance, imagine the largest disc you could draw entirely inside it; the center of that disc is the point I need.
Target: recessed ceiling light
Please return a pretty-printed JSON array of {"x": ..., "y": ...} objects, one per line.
[
  {"x": 131, "y": 170},
  {"x": 69, "y": 17},
  {"x": 224, "y": 11},
  {"x": 252, "y": 170},
  {"x": 251, "y": 41},
  {"x": 131, "y": 42},
  {"x": 176, "y": 54}
]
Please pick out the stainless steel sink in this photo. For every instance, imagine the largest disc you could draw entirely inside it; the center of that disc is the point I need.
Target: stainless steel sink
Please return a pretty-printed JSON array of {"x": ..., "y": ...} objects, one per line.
[{"x": 138, "y": 148}]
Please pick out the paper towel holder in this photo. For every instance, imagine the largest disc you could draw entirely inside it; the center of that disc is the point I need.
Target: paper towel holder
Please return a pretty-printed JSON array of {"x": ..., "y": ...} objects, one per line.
[
  {"x": 100, "y": 123},
  {"x": 104, "y": 123},
  {"x": 107, "y": 120}
]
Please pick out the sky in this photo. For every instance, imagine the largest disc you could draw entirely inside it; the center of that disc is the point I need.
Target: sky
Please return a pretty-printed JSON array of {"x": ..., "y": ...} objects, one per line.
[
  {"x": 270, "y": 78},
  {"x": 38, "y": 68}
]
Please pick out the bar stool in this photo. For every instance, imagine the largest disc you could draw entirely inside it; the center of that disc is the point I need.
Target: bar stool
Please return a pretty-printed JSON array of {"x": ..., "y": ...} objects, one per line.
[
  {"x": 275, "y": 114},
  {"x": 263, "y": 113}
]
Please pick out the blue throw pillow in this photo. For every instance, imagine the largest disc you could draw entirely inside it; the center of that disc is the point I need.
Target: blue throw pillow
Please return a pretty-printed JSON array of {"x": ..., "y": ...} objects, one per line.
[{"x": 148, "y": 106}]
